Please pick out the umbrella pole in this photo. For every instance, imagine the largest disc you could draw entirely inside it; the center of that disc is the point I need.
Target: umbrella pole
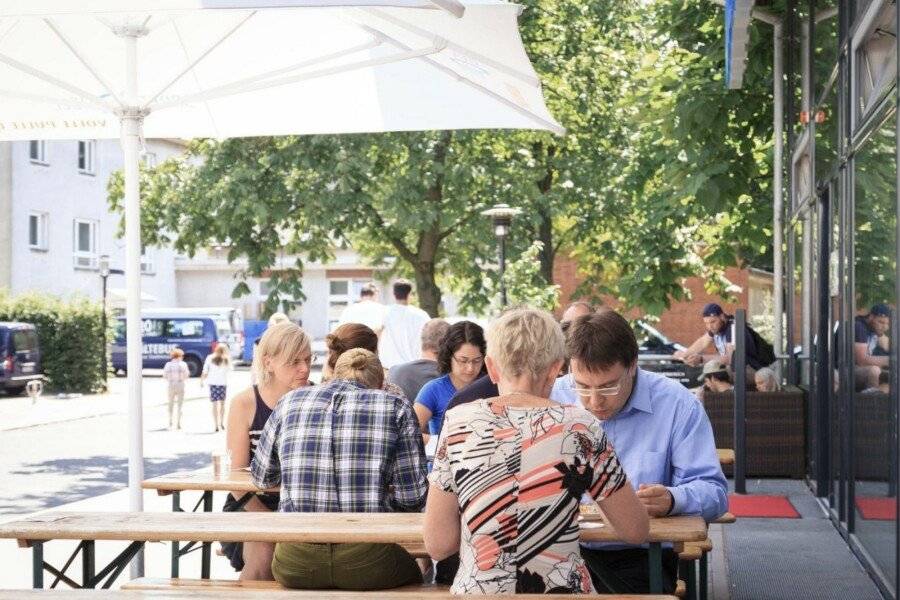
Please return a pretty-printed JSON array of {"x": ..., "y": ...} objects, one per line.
[{"x": 131, "y": 121}]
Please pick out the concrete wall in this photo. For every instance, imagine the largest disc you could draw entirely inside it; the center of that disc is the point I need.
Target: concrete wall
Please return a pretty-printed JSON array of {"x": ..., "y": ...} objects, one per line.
[
  {"x": 65, "y": 194},
  {"x": 5, "y": 214}
]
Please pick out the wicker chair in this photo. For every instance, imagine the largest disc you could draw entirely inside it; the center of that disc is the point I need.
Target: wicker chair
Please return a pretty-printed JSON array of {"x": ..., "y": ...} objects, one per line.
[{"x": 776, "y": 430}]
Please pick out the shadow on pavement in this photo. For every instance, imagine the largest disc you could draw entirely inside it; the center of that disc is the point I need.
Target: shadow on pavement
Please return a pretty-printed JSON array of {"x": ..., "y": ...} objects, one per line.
[{"x": 96, "y": 475}]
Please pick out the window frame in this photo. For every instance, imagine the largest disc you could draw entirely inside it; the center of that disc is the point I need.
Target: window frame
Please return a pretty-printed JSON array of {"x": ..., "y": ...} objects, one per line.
[
  {"x": 41, "y": 158},
  {"x": 89, "y": 156},
  {"x": 43, "y": 229},
  {"x": 92, "y": 255}
]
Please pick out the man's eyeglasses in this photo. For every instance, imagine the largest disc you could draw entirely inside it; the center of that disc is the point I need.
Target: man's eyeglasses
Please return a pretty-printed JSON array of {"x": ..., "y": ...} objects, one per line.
[
  {"x": 465, "y": 362},
  {"x": 611, "y": 390}
]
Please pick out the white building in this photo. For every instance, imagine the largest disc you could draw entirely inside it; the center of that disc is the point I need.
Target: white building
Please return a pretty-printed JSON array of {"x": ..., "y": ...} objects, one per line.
[
  {"x": 55, "y": 223},
  {"x": 208, "y": 279},
  {"x": 55, "y": 220}
]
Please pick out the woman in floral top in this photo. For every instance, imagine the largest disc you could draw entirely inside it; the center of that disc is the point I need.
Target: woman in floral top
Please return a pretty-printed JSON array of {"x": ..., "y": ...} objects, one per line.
[{"x": 510, "y": 471}]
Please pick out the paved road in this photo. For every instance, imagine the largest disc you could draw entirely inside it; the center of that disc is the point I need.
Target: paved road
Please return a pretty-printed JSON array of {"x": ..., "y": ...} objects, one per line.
[{"x": 47, "y": 465}]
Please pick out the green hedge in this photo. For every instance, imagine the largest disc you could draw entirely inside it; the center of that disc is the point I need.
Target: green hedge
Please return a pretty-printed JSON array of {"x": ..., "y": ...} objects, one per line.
[{"x": 71, "y": 336}]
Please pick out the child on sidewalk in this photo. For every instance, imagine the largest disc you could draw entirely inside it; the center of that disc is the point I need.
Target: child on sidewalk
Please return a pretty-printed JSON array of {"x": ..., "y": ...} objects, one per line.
[{"x": 176, "y": 373}]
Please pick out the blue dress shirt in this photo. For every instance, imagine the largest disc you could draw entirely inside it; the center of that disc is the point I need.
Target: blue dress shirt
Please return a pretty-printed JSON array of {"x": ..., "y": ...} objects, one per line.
[{"x": 662, "y": 435}]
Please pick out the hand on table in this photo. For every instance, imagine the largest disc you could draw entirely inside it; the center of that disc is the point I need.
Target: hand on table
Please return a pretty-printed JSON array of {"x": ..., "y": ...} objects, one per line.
[{"x": 656, "y": 499}]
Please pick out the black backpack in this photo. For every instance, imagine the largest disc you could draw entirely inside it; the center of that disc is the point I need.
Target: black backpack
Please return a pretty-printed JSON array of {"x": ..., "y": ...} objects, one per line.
[{"x": 765, "y": 352}]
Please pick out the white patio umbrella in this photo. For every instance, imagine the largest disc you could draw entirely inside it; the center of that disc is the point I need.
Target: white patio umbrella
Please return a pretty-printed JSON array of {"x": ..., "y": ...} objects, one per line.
[{"x": 230, "y": 68}]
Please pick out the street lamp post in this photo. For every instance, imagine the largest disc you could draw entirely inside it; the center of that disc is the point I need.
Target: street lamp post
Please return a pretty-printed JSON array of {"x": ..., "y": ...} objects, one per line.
[
  {"x": 105, "y": 272},
  {"x": 501, "y": 218}
]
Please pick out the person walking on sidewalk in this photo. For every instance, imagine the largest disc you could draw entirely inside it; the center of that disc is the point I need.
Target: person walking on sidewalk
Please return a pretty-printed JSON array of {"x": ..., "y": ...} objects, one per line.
[
  {"x": 215, "y": 372},
  {"x": 176, "y": 372}
]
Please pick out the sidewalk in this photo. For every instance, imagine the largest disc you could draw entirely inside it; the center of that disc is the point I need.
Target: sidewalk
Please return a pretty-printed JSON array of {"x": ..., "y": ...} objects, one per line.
[
  {"x": 785, "y": 559},
  {"x": 17, "y": 412}
]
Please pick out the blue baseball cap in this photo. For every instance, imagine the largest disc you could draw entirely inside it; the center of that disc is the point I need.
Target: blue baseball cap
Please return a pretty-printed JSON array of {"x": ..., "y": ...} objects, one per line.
[
  {"x": 880, "y": 310},
  {"x": 712, "y": 310}
]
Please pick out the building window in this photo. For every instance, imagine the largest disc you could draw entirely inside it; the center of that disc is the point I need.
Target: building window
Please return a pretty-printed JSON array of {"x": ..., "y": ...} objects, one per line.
[
  {"x": 341, "y": 294},
  {"x": 37, "y": 152},
  {"x": 150, "y": 160},
  {"x": 147, "y": 266},
  {"x": 86, "y": 155},
  {"x": 37, "y": 231},
  {"x": 85, "y": 244}
]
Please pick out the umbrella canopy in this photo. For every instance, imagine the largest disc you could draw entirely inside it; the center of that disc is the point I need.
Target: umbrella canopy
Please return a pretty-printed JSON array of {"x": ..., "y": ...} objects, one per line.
[
  {"x": 234, "y": 68},
  {"x": 231, "y": 68}
]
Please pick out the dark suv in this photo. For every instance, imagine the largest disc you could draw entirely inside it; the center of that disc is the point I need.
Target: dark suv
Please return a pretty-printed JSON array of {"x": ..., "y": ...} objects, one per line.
[
  {"x": 20, "y": 356},
  {"x": 655, "y": 354}
]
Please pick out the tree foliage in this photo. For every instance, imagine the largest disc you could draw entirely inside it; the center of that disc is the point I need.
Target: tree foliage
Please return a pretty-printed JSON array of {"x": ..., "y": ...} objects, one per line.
[{"x": 663, "y": 173}]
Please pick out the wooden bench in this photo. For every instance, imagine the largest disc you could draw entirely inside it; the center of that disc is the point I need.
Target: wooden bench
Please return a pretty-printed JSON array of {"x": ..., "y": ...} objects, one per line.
[
  {"x": 410, "y": 592},
  {"x": 726, "y": 456},
  {"x": 399, "y": 528},
  {"x": 247, "y": 593}
]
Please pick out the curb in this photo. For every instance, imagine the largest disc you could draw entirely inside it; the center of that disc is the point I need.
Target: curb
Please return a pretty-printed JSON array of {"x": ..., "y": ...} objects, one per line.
[{"x": 90, "y": 416}]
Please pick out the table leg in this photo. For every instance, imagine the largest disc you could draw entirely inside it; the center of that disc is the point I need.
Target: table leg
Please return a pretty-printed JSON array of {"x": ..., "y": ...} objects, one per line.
[
  {"x": 176, "y": 554},
  {"x": 206, "y": 552},
  {"x": 87, "y": 564},
  {"x": 704, "y": 575},
  {"x": 656, "y": 584},
  {"x": 690, "y": 579},
  {"x": 37, "y": 565}
]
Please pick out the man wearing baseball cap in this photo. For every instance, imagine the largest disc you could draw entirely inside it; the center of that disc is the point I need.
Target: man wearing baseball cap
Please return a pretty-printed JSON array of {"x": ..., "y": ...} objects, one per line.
[
  {"x": 716, "y": 343},
  {"x": 715, "y": 377},
  {"x": 870, "y": 345}
]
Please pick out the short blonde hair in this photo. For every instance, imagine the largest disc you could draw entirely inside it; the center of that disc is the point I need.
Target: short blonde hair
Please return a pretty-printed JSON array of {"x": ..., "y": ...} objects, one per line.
[
  {"x": 286, "y": 342},
  {"x": 176, "y": 353},
  {"x": 277, "y": 318},
  {"x": 361, "y": 366},
  {"x": 525, "y": 341}
]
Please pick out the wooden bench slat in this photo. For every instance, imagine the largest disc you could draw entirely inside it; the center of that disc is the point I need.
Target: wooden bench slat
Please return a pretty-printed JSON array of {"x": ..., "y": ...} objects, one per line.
[
  {"x": 400, "y": 528},
  {"x": 409, "y": 592},
  {"x": 726, "y": 519},
  {"x": 250, "y": 594},
  {"x": 726, "y": 456}
]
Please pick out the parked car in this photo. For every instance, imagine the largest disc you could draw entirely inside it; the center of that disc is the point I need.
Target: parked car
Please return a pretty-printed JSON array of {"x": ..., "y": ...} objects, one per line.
[
  {"x": 196, "y": 331},
  {"x": 655, "y": 352},
  {"x": 20, "y": 353}
]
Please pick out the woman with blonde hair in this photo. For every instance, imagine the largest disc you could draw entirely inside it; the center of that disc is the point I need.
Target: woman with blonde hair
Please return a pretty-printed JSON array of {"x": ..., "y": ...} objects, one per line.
[
  {"x": 522, "y": 462},
  {"x": 215, "y": 373},
  {"x": 282, "y": 364},
  {"x": 347, "y": 337},
  {"x": 361, "y": 366}
]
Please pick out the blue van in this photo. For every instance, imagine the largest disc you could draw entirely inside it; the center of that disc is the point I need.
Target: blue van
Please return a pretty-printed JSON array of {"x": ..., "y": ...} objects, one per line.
[
  {"x": 197, "y": 334},
  {"x": 20, "y": 356}
]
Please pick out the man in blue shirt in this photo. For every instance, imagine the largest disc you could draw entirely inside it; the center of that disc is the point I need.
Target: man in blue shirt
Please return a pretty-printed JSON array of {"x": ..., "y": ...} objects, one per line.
[
  {"x": 870, "y": 345},
  {"x": 661, "y": 434}
]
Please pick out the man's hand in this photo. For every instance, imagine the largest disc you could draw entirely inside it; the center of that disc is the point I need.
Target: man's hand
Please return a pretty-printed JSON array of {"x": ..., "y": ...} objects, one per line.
[
  {"x": 656, "y": 499},
  {"x": 693, "y": 360}
]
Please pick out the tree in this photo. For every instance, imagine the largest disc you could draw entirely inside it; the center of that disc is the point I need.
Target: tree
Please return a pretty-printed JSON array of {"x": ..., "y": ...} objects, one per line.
[{"x": 412, "y": 196}]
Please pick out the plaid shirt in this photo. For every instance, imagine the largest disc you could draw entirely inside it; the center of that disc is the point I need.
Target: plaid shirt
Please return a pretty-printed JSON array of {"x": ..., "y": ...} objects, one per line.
[{"x": 339, "y": 447}]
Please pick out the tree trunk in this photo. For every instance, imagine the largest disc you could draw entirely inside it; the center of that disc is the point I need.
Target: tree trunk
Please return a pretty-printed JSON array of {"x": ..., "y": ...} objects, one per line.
[
  {"x": 428, "y": 291},
  {"x": 545, "y": 227},
  {"x": 548, "y": 252}
]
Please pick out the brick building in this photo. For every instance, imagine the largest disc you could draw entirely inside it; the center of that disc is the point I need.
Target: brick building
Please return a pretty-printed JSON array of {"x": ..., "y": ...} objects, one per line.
[{"x": 682, "y": 321}]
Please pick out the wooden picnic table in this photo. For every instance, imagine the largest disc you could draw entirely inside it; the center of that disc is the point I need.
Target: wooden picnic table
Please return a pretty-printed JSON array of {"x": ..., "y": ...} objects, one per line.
[
  {"x": 726, "y": 456},
  {"x": 422, "y": 593},
  {"x": 400, "y": 528}
]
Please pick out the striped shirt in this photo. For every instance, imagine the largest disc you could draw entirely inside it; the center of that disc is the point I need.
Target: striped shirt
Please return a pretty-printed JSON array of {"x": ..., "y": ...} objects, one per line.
[{"x": 339, "y": 447}]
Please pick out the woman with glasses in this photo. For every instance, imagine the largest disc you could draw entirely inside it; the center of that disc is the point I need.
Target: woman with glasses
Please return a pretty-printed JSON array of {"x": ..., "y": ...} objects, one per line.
[
  {"x": 510, "y": 471},
  {"x": 460, "y": 362},
  {"x": 281, "y": 363}
]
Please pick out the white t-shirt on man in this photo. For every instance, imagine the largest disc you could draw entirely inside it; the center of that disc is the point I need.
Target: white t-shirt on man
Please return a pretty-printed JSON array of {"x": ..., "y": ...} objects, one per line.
[
  {"x": 367, "y": 312},
  {"x": 401, "y": 339}
]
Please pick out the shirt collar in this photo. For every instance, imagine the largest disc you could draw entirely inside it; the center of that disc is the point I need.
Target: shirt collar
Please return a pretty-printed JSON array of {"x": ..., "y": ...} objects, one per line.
[{"x": 640, "y": 395}]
